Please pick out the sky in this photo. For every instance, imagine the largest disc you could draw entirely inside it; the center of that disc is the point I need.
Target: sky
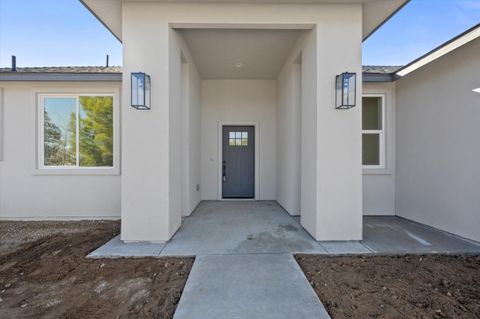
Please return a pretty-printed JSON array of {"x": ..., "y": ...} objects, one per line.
[
  {"x": 63, "y": 32},
  {"x": 419, "y": 27}
]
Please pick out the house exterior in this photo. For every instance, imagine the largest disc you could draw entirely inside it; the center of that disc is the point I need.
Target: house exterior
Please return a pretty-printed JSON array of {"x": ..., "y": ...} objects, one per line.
[{"x": 242, "y": 106}]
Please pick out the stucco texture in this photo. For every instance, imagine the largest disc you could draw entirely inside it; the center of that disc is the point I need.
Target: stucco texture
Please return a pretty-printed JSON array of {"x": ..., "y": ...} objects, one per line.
[
  {"x": 437, "y": 143},
  {"x": 29, "y": 193}
]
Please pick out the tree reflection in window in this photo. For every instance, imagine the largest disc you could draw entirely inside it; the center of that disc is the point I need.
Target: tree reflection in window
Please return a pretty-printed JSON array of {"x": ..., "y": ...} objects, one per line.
[{"x": 93, "y": 117}]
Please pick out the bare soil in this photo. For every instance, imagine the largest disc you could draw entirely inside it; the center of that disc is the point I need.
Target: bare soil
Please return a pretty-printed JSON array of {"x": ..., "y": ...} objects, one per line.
[
  {"x": 433, "y": 286},
  {"x": 44, "y": 274}
]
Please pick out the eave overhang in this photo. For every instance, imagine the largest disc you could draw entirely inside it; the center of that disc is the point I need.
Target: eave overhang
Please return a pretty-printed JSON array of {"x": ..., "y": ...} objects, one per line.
[{"x": 375, "y": 12}]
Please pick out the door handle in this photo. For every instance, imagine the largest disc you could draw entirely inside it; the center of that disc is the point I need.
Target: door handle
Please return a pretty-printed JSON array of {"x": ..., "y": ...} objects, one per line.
[{"x": 224, "y": 171}]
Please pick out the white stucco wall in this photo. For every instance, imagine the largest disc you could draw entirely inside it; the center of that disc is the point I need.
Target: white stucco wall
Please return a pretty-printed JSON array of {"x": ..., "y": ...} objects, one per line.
[
  {"x": 1, "y": 127},
  {"x": 193, "y": 135},
  {"x": 379, "y": 184},
  {"x": 177, "y": 126},
  {"x": 188, "y": 127},
  {"x": 289, "y": 109},
  {"x": 309, "y": 212},
  {"x": 26, "y": 193},
  {"x": 324, "y": 140},
  {"x": 239, "y": 102},
  {"x": 437, "y": 177},
  {"x": 184, "y": 134},
  {"x": 159, "y": 150},
  {"x": 146, "y": 134}
]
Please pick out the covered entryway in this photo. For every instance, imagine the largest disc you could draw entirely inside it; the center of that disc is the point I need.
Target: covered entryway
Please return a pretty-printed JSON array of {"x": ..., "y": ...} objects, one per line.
[
  {"x": 255, "y": 121},
  {"x": 245, "y": 107}
]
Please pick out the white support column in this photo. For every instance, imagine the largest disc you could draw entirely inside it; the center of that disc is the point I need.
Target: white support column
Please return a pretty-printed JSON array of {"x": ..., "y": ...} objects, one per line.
[
  {"x": 339, "y": 171},
  {"x": 145, "y": 134}
]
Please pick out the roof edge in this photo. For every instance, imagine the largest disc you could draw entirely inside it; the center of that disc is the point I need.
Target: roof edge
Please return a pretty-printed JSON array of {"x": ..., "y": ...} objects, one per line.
[
  {"x": 117, "y": 77},
  {"x": 403, "y": 71},
  {"x": 60, "y": 76},
  {"x": 101, "y": 21},
  {"x": 384, "y": 21},
  {"x": 368, "y": 77},
  {"x": 363, "y": 38}
]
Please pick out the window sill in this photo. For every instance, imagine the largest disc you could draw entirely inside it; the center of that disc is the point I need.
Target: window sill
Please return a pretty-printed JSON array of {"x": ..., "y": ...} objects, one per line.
[
  {"x": 76, "y": 171},
  {"x": 376, "y": 171}
]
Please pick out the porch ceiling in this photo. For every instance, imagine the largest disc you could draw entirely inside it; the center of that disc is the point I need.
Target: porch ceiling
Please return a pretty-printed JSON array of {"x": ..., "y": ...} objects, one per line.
[
  {"x": 239, "y": 54},
  {"x": 375, "y": 12}
]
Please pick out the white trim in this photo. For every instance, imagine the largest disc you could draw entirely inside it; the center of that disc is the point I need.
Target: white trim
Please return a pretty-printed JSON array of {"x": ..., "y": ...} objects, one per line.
[
  {"x": 441, "y": 51},
  {"x": 220, "y": 125},
  {"x": 39, "y": 167},
  {"x": 382, "y": 132},
  {"x": 77, "y": 132},
  {"x": 1, "y": 124},
  {"x": 474, "y": 90},
  {"x": 260, "y": 26}
]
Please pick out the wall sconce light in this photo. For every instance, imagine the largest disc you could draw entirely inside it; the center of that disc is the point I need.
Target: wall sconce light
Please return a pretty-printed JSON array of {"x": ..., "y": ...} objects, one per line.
[
  {"x": 141, "y": 93},
  {"x": 346, "y": 93}
]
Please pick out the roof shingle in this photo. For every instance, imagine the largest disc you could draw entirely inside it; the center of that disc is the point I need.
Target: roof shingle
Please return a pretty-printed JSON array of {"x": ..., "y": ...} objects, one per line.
[
  {"x": 378, "y": 69},
  {"x": 67, "y": 69}
]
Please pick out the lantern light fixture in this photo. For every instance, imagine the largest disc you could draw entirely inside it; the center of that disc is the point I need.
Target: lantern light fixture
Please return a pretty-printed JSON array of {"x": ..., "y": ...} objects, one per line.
[
  {"x": 346, "y": 93},
  {"x": 141, "y": 93}
]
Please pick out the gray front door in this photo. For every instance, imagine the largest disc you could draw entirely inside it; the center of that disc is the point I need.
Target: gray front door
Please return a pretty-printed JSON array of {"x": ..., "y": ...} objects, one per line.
[{"x": 238, "y": 162}]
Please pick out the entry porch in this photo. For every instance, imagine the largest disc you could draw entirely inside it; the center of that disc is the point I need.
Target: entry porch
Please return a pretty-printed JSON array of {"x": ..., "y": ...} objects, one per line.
[
  {"x": 244, "y": 111},
  {"x": 263, "y": 227}
]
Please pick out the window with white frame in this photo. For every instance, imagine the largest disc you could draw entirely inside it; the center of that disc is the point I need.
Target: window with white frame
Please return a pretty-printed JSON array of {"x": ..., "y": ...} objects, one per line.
[
  {"x": 76, "y": 131},
  {"x": 373, "y": 131}
]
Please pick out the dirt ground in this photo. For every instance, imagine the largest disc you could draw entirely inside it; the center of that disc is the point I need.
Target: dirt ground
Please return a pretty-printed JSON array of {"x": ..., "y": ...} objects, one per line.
[
  {"x": 431, "y": 286},
  {"x": 44, "y": 274}
]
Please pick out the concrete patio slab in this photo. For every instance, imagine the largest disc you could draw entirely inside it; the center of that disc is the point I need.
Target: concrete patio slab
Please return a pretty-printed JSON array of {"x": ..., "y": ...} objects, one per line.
[
  {"x": 263, "y": 227},
  {"x": 115, "y": 248},
  {"x": 393, "y": 235},
  {"x": 345, "y": 247},
  {"x": 240, "y": 227},
  {"x": 259, "y": 286}
]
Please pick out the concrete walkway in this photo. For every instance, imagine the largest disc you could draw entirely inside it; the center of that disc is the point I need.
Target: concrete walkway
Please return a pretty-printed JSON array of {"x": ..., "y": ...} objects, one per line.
[
  {"x": 244, "y": 267},
  {"x": 263, "y": 286}
]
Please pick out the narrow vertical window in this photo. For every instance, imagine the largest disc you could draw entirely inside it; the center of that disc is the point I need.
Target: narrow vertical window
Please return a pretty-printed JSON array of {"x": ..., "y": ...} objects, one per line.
[{"x": 373, "y": 132}]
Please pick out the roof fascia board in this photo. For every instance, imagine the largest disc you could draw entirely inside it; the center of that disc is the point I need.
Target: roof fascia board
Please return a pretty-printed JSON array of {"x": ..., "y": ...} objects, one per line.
[
  {"x": 117, "y": 77},
  {"x": 449, "y": 46},
  {"x": 377, "y": 77},
  {"x": 13, "y": 76},
  {"x": 99, "y": 19},
  {"x": 386, "y": 20}
]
